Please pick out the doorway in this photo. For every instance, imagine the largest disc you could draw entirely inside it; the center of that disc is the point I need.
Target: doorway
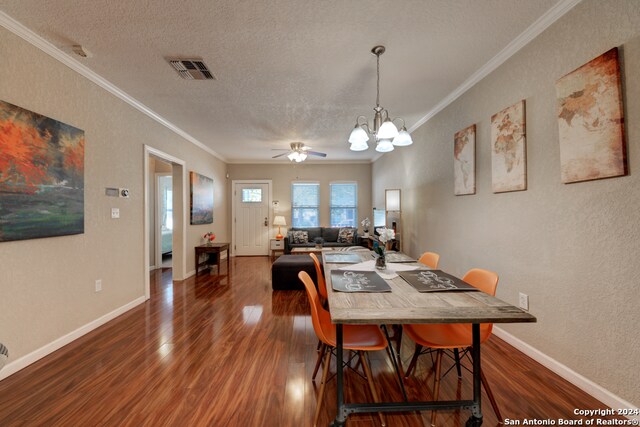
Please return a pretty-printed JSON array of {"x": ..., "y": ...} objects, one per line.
[
  {"x": 164, "y": 220},
  {"x": 177, "y": 171},
  {"x": 251, "y": 217}
]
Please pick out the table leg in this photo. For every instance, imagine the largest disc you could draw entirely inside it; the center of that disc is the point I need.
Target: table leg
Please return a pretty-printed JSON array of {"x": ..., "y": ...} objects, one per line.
[
  {"x": 476, "y": 410},
  {"x": 340, "y": 419},
  {"x": 228, "y": 259}
]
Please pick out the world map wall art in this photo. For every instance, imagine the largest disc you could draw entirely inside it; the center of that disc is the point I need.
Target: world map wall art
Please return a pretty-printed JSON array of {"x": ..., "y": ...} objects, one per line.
[
  {"x": 591, "y": 122},
  {"x": 41, "y": 176},
  {"x": 508, "y": 149},
  {"x": 464, "y": 161}
]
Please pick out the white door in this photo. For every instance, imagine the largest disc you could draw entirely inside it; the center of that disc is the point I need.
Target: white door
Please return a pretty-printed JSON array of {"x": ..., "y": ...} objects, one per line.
[{"x": 252, "y": 218}]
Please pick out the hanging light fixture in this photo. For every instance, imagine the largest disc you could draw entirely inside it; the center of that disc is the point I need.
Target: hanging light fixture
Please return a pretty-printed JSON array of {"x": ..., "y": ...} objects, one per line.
[{"x": 384, "y": 132}]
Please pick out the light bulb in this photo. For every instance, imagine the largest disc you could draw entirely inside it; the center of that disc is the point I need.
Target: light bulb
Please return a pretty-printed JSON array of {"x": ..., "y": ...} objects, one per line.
[
  {"x": 384, "y": 146},
  {"x": 358, "y": 134},
  {"x": 387, "y": 131},
  {"x": 403, "y": 139}
]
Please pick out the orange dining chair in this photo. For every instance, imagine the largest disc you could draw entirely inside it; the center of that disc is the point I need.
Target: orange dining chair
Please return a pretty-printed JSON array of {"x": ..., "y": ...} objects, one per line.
[
  {"x": 442, "y": 337},
  {"x": 430, "y": 259},
  {"x": 322, "y": 290},
  {"x": 358, "y": 338}
]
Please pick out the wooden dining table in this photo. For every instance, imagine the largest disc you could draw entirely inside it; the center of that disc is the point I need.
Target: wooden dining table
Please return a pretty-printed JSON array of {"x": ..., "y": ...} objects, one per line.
[{"x": 404, "y": 304}]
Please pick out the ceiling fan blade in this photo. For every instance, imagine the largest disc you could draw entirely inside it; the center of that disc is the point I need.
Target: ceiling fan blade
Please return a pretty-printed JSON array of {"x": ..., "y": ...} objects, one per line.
[
  {"x": 280, "y": 149},
  {"x": 280, "y": 155},
  {"x": 316, "y": 153}
]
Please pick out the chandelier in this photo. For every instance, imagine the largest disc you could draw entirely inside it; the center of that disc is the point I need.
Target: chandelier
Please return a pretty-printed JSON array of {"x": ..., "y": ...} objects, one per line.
[{"x": 384, "y": 132}]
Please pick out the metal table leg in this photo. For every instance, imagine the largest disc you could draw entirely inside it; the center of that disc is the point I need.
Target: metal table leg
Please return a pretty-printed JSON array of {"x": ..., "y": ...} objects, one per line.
[
  {"x": 341, "y": 416},
  {"x": 475, "y": 420}
]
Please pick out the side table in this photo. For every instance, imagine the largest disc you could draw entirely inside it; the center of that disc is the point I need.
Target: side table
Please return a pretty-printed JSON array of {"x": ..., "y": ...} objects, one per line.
[
  {"x": 276, "y": 245},
  {"x": 215, "y": 249}
]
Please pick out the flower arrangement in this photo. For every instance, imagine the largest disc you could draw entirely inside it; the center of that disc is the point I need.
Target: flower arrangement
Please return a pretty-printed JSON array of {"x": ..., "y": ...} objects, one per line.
[
  {"x": 386, "y": 234},
  {"x": 209, "y": 237},
  {"x": 366, "y": 223}
]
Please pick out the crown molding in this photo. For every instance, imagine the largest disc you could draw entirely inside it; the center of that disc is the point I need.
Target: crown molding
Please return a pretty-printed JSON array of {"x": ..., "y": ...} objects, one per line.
[
  {"x": 25, "y": 33},
  {"x": 534, "y": 30}
]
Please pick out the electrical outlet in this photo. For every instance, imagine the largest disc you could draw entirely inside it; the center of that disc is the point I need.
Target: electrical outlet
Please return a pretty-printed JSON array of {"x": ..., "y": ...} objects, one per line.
[
  {"x": 98, "y": 285},
  {"x": 115, "y": 213},
  {"x": 524, "y": 301}
]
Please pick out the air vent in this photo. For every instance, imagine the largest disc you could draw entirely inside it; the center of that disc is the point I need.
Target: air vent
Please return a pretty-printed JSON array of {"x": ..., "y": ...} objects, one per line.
[{"x": 192, "y": 69}]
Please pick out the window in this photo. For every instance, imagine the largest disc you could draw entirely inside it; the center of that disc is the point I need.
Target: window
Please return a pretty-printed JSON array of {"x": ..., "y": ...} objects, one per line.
[
  {"x": 344, "y": 204},
  {"x": 305, "y": 200},
  {"x": 251, "y": 195}
]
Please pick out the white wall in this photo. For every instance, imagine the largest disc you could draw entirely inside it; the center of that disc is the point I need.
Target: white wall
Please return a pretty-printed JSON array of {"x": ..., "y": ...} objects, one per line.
[
  {"x": 574, "y": 249},
  {"x": 47, "y": 285}
]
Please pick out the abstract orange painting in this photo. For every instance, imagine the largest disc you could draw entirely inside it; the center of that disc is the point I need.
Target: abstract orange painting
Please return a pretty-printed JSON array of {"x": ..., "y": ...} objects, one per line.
[
  {"x": 41, "y": 176},
  {"x": 591, "y": 121}
]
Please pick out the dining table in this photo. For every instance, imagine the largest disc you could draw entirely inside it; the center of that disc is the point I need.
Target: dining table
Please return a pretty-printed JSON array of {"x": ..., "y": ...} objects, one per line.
[{"x": 405, "y": 305}]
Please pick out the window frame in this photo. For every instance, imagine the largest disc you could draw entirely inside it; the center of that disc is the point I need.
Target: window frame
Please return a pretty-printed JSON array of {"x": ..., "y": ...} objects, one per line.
[
  {"x": 295, "y": 208},
  {"x": 354, "y": 224}
]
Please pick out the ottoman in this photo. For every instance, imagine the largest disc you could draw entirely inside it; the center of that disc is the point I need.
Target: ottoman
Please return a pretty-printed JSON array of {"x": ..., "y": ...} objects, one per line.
[{"x": 284, "y": 271}]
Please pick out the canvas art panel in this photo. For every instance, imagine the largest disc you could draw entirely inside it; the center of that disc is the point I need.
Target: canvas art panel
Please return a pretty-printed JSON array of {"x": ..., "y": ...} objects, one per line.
[
  {"x": 591, "y": 121},
  {"x": 464, "y": 161},
  {"x": 41, "y": 176},
  {"x": 201, "y": 199},
  {"x": 508, "y": 149}
]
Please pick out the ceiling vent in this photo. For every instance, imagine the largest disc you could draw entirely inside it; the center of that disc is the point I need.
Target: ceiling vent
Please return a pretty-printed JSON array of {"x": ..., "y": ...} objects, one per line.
[{"x": 192, "y": 69}]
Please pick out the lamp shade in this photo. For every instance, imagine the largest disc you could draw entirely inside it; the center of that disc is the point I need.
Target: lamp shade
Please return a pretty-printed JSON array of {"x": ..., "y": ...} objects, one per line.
[
  {"x": 403, "y": 139},
  {"x": 359, "y": 146},
  {"x": 358, "y": 135},
  {"x": 384, "y": 146},
  {"x": 387, "y": 131},
  {"x": 279, "y": 220}
]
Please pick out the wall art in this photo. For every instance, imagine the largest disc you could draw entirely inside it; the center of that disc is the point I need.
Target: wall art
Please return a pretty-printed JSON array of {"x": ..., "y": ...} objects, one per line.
[
  {"x": 464, "y": 161},
  {"x": 41, "y": 176},
  {"x": 201, "y": 199},
  {"x": 508, "y": 149},
  {"x": 591, "y": 121}
]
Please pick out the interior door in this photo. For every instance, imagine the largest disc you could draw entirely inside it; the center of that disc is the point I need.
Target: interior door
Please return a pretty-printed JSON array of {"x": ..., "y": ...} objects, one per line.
[{"x": 252, "y": 219}]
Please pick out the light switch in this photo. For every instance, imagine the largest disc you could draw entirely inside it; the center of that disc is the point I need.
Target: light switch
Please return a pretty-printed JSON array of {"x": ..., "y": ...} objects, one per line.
[{"x": 115, "y": 213}]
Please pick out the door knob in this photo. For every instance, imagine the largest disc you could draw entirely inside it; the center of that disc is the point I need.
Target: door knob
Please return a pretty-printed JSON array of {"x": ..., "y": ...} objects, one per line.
[{"x": 266, "y": 222}]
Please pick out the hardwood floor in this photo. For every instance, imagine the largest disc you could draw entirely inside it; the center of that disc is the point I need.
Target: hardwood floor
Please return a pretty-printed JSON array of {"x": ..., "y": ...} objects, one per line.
[{"x": 227, "y": 351}]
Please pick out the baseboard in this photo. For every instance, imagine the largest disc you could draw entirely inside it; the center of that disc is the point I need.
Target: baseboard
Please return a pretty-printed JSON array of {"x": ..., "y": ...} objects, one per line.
[
  {"x": 583, "y": 383},
  {"x": 47, "y": 349}
]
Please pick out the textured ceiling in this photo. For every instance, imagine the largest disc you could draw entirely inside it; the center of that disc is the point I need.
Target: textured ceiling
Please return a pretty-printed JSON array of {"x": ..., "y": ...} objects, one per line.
[{"x": 287, "y": 70}]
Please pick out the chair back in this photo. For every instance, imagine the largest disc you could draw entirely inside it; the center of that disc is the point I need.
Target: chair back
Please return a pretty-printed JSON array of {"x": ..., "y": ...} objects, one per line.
[
  {"x": 487, "y": 282},
  {"x": 322, "y": 286},
  {"x": 430, "y": 259},
  {"x": 320, "y": 317}
]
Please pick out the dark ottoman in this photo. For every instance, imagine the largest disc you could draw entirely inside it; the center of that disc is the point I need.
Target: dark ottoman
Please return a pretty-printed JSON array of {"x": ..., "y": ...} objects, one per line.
[{"x": 284, "y": 271}]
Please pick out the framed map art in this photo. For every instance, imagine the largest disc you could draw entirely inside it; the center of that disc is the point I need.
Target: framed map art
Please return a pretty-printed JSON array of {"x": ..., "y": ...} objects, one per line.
[
  {"x": 591, "y": 121},
  {"x": 508, "y": 149},
  {"x": 464, "y": 161}
]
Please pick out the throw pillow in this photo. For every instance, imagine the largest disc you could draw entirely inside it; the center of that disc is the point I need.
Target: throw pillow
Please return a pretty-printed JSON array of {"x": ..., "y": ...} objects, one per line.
[
  {"x": 300, "y": 237},
  {"x": 345, "y": 235}
]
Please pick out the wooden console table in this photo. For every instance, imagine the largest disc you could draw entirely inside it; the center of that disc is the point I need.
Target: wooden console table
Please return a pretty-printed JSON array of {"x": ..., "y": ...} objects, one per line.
[{"x": 213, "y": 248}]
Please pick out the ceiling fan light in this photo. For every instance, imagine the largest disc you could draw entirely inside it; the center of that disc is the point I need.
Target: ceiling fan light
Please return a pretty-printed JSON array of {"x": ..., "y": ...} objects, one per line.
[
  {"x": 388, "y": 130},
  {"x": 359, "y": 146},
  {"x": 403, "y": 139},
  {"x": 358, "y": 135},
  {"x": 384, "y": 146},
  {"x": 301, "y": 157},
  {"x": 292, "y": 156}
]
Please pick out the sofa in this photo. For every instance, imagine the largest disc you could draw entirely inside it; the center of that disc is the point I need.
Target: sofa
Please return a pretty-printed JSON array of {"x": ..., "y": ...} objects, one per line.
[{"x": 331, "y": 237}]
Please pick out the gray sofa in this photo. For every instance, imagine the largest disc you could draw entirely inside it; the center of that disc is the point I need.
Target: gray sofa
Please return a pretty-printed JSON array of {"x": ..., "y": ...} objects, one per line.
[{"x": 329, "y": 237}]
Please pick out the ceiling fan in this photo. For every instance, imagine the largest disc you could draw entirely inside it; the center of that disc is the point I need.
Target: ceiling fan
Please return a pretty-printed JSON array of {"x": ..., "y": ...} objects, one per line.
[{"x": 298, "y": 152}]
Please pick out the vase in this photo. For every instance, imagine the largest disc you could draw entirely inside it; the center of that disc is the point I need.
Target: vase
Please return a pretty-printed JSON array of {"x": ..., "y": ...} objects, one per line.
[{"x": 381, "y": 262}]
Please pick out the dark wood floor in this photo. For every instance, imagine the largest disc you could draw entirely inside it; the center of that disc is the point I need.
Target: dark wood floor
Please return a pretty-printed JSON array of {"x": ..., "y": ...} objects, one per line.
[{"x": 227, "y": 351}]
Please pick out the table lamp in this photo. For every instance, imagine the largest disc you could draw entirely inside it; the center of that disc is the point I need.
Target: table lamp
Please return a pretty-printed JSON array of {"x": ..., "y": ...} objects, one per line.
[{"x": 279, "y": 220}]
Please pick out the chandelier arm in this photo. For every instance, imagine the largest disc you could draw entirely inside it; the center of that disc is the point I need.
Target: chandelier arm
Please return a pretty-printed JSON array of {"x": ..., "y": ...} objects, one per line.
[{"x": 365, "y": 124}]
